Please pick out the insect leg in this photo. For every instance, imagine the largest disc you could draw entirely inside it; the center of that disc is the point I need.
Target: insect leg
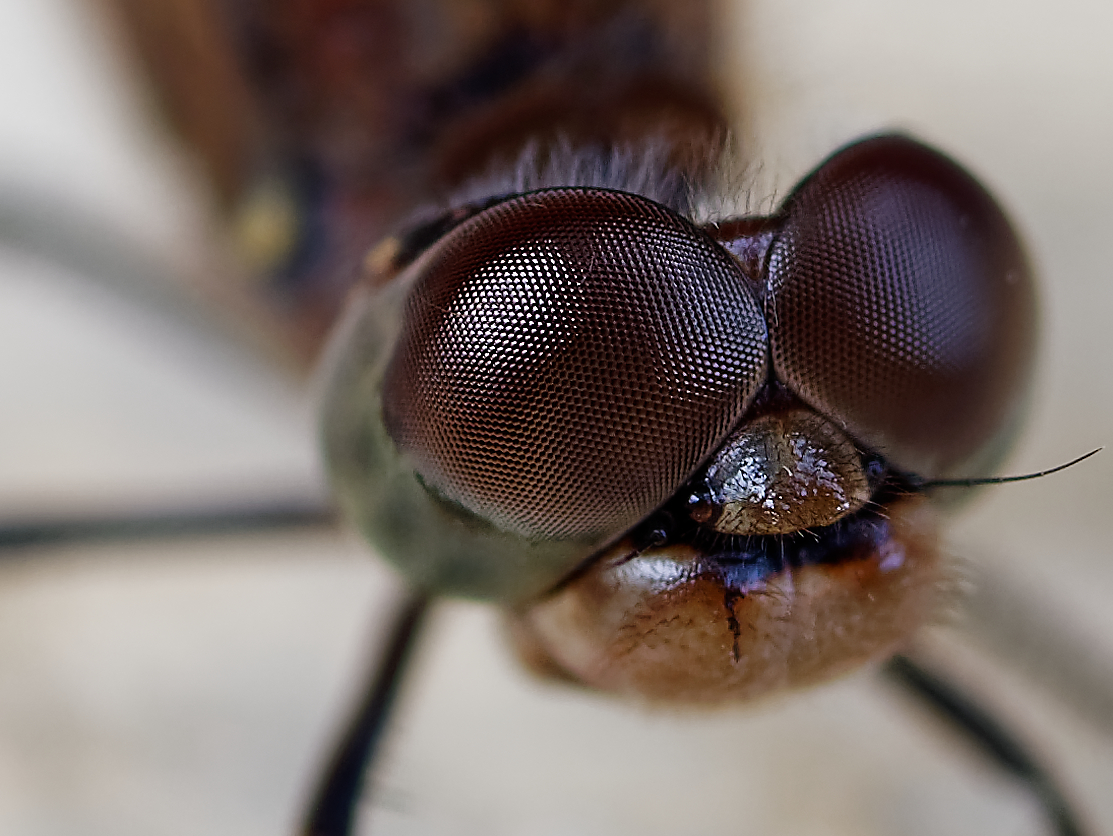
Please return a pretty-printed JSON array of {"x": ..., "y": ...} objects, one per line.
[
  {"x": 266, "y": 517},
  {"x": 989, "y": 734},
  {"x": 332, "y": 810}
]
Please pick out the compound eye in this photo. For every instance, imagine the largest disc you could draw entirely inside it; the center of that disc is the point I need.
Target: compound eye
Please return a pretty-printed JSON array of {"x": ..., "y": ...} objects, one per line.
[
  {"x": 900, "y": 304},
  {"x": 568, "y": 358}
]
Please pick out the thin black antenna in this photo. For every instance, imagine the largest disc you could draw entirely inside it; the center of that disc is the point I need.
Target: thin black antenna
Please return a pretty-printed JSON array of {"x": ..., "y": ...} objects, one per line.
[
  {"x": 332, "y": 810},
  {"x": 992, "y": 738},
  {"x": 997, "y": 480}
]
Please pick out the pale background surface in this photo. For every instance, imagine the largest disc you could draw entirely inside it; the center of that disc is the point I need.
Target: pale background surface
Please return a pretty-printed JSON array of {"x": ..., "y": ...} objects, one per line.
[{"x": 190, "y": 687}]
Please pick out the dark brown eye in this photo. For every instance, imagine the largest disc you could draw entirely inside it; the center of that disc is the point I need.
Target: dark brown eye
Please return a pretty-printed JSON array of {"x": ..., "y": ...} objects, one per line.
[
  {"x": 900, "y": 304},
  {"x": 568, "y": 358}
]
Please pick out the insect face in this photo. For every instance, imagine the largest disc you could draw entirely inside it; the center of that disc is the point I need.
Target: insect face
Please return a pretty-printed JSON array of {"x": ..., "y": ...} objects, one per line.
[{"x": 580, "y": 395}]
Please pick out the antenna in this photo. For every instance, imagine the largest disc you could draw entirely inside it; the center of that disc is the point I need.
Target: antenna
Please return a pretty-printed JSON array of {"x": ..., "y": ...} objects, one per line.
[{"x": 996, "y": 480}]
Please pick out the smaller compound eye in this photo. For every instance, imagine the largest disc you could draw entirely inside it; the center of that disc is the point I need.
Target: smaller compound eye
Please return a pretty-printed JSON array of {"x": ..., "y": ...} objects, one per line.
[
  {"x": 901, "y": 305},
  {"x": 568, "y": 358}
]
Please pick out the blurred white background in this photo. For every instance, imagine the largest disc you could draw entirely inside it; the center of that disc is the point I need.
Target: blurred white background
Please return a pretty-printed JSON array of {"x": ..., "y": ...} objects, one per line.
[{"x": 192, "y": 686}]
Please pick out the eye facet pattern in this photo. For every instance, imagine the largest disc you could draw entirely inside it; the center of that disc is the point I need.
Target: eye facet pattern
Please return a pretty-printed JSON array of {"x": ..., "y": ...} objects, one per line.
[
  {"x": 900, "y": 304},
  {"x": 568, "y": 358}
]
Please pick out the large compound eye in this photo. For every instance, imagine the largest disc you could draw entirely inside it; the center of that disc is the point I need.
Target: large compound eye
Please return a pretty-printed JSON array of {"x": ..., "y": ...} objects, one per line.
[
  {"x": 899, "y": 303},
  {"x": 568, "y": 358}
]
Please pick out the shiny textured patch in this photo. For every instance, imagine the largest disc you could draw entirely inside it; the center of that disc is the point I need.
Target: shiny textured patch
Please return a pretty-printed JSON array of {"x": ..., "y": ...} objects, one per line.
[
  {"x": 568, "y": 358},
  {"x": 780, "y": 473}
]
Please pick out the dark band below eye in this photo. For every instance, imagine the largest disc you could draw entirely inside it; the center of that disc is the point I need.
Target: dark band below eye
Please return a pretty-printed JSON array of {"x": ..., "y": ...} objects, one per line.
[{"x": 568, "y": 358}]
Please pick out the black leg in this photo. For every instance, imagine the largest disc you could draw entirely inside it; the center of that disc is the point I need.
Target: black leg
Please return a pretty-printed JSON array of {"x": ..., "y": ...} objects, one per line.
[
  {"x": 263, "y": 517},
  {"x": 990, "y": 736},
  {"x": 332, "y": 811}
]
